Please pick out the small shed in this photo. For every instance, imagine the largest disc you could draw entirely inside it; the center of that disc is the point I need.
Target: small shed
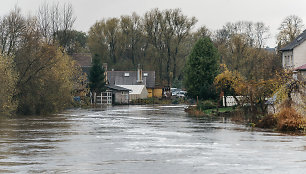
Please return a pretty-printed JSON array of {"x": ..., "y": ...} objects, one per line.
[
  {"x": 120, "y": 95},
  {"x": 136, "y": 91}
]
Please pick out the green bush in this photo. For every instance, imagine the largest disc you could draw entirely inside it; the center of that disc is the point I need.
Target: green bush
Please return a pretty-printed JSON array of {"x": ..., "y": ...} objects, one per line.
[{"x": 206, "y": 104}]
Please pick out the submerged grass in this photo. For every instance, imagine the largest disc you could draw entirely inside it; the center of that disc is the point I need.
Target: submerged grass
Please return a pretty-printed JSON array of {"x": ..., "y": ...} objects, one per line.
[{"x": 220, "y": 110}]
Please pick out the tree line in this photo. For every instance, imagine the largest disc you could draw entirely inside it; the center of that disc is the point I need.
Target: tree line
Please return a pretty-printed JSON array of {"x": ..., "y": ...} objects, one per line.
[
  {"x": 234, "y": 62},
  {"x": 161, "y": 40},
  {"x": 40, "y": 75},
  {"x": 37, "y": 74}
]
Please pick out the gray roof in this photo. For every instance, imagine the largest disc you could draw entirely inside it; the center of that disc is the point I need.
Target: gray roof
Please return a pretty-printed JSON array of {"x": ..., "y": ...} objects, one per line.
[
  {"x": 118, "y": 78},
  {"x": 83, "y": 59},
  {"x": 117, "y": 88},
  {"x": 296, "y": 42}
]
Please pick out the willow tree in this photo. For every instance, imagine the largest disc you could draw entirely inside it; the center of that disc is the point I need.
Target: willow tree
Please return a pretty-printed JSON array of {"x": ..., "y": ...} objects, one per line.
[
  {"x": 201, "y": 70},
  {"x": 46, "y": 79}
]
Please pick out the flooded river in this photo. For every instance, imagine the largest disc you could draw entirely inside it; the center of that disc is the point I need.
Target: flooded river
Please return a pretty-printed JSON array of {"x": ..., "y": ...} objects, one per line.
[{"x": 144, "y": 140}]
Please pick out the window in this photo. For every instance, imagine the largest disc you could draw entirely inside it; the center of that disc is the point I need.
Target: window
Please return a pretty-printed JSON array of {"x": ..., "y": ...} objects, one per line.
[
  {"x": 126, "y": 74},
  {"x": 145, "y": 74}
]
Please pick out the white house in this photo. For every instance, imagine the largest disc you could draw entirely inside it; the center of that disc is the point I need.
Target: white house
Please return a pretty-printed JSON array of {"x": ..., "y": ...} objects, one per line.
[{"x": 294, "y": 54}]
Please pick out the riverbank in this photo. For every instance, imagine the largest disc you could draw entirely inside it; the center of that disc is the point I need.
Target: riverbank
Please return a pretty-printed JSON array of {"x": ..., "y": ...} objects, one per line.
[{"x": 287, "y": 121}]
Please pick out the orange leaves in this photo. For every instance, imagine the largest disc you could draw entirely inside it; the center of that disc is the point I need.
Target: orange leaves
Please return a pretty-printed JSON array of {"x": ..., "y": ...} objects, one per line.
[{"x": 289, "y": 120}]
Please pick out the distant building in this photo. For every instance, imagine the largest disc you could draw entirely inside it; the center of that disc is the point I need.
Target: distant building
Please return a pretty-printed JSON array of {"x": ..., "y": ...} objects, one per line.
[
  {"x": 115, "y": 80},
  {"x": 132, "y": 79},
  {"x": 294, "y": 54},
  {"x": 120, "y": 95},
  {"x": 270, "y": 50},
  {"x": 136, "y": 91},
  {"x": 84, "y": 60}
]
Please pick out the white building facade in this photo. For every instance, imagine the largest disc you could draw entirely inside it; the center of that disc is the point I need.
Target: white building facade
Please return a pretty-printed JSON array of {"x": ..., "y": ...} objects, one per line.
[{"x": 294, "y": 54}]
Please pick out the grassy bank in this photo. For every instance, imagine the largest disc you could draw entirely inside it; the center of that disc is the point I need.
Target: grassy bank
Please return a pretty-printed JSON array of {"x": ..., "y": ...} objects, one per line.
[
  {"x": 194, "y": 110},
  {"x": 287, "y": 120}
]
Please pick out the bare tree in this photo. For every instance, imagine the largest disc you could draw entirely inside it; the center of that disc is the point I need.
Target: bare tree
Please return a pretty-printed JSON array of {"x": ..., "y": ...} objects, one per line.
[
  {"x": 132, "y": 34},
  {"x": 11, "y": 29},
  {"x": 55, "y": 19},
  {"x": 166, "y": 31},
  {"x": 289, "y": 29}
]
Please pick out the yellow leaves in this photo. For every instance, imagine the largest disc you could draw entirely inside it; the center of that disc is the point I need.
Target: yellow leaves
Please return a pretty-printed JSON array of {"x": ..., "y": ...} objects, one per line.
[
  {"x": 228, "y": 80},
  {"x": 8, "y": 81},
  {"x": 49, "y": 80}
]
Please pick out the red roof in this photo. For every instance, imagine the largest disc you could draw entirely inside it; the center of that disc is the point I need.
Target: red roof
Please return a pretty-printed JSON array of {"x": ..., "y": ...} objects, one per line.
[{"x": 303, "y": 67}]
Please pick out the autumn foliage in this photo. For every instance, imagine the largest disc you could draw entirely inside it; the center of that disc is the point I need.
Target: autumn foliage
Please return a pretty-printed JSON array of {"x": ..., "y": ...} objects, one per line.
[
  {"x": 289, "y": 120},
  {"x": 8, "y": 80}
]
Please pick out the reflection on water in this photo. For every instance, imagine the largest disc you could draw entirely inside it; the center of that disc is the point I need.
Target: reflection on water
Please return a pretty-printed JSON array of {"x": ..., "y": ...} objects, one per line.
[{"x": 143, "y": 139}]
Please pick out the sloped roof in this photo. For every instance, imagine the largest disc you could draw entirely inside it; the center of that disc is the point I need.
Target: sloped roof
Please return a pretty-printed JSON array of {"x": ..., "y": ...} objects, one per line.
[
  {"x": 303, "y": 67},
  {"x": 118, "y": 78},
  {"x": 117, "y": 88},
  {"x": 296, "y": 42},
  {"x": 135, "y": 89},
  {"x": 83, "y": 59}
]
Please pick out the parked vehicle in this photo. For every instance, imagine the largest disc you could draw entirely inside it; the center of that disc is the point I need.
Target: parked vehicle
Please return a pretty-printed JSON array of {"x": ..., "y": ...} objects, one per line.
[
  {"x": 174, "y": 91},
  {"x": 181, "y": 94}
]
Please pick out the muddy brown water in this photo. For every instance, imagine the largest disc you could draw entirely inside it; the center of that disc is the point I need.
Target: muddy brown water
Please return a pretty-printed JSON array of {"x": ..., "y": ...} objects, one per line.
[{"x": 144, "y": 140}]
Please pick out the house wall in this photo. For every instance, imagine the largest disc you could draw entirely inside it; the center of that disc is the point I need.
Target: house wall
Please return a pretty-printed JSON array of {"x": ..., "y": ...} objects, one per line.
[
  {"x": 144, "y": 94},
  {"x": 288, "y": 59},
  {"x": 158, "y": 93},
  {"x": 122, "y": 97},
  {"x": 299, "y": 55}
]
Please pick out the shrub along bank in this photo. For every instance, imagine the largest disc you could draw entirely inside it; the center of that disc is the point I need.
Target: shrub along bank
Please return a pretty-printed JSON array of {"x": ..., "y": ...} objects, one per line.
[{"x": 287, "y": 120}]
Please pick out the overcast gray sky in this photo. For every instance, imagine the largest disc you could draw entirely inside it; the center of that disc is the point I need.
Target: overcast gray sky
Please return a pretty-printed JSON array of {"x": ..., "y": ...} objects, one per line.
[{"x": 211, "y": 13}]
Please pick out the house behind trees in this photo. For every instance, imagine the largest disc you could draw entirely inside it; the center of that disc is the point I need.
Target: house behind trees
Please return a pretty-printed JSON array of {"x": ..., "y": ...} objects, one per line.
[
  {"x": 125, "y": 85},
  {"x": 294, "y": 54}
]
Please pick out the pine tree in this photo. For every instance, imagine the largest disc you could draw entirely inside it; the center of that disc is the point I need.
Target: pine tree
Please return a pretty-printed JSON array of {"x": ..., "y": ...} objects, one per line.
[
  {"x": 96, "y": 76},
  {"x": 201, "y": 70}
]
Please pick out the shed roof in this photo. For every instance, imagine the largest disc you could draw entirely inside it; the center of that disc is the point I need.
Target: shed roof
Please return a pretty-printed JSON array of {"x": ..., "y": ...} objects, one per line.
[
  {"x": 135, "y": 89},
  {"x": 296, "y": 42},
  {"x": 303, "y": 67},
  {"x": 117, "y": 88}
]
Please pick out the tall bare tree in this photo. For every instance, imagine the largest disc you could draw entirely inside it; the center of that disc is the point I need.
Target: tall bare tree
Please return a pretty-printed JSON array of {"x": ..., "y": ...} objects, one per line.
[
  {"x": 289, "y": 29},
  {"x": 166, "y": 31},
  {"x": 132, "y": 35},
  {"x": 55, "y": 22},
  {"x": 11, "y": 29}
]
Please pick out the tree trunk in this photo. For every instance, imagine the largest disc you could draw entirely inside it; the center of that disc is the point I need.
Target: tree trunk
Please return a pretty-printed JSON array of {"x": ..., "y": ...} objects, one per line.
[{"x": 168, "y": 65}]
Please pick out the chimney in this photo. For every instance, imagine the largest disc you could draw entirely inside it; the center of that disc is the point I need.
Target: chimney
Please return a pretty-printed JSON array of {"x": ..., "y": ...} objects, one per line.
[
  {"x": 105, "y": 72},
  {"x": 139, "y": 74}
]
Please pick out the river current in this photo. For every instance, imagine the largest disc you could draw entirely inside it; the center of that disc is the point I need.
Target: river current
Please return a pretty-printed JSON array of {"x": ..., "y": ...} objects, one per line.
[{"x": 145, "y": 140}]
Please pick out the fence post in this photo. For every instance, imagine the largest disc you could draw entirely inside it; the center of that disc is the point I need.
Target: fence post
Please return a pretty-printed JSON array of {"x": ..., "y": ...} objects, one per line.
[{"x": 101, "y": 98}]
